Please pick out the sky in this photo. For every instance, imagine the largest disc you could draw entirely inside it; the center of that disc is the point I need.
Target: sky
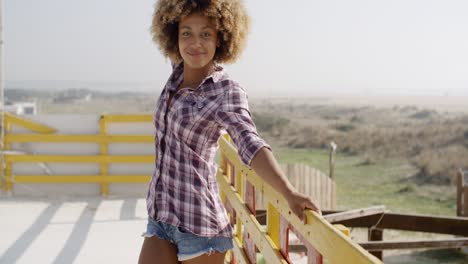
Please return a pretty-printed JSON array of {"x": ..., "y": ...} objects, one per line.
[{"x": 303, "y": 48}]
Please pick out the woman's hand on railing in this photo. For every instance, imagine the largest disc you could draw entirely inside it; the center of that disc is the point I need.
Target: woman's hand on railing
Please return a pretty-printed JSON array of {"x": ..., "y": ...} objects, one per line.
[
  {"x": 266, "y": 166},
  {"x": 298, "y": 203}
]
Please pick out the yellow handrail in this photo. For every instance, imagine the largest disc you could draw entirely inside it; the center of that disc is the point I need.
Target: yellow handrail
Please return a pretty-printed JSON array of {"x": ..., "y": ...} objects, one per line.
[
  {"x": 28, "y": 124},
  {"x": 324, "y": 237}
]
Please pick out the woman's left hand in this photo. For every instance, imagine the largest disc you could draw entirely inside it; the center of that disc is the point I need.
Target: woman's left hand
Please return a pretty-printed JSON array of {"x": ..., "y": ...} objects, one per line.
[{"x": 299, "y": 202}]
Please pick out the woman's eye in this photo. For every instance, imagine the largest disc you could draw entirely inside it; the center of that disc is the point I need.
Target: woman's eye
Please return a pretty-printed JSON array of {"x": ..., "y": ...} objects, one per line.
[
  {"x": 206, "y": 35},
  {"x": 185, "y": 34}
]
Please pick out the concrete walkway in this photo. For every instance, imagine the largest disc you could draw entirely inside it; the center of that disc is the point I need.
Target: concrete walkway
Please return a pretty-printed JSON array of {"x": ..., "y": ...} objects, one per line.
[
  {"x": 73, "y": 230},
  {"x": 86, "y": 230}
]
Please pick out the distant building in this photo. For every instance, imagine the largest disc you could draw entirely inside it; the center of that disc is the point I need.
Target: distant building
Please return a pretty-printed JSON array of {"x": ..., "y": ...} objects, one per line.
[
  {"x": 73, "y": 96},
  {"x": 21, "y": 108}
]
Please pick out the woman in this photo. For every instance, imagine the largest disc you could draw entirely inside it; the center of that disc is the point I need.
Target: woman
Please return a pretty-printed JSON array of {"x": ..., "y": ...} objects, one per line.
[{"x": 187, "y": 221}]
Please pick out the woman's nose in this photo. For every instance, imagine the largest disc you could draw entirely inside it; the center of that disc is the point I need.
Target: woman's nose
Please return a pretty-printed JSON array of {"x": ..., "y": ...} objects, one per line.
[{"x": 196, "y": 41}]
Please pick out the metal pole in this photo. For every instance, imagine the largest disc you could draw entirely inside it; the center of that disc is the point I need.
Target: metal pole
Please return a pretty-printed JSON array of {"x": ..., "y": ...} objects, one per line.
[{"x": 2, "y": 98}]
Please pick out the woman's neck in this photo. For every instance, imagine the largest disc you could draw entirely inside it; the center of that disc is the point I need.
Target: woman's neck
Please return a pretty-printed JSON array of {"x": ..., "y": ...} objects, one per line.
[{"x": 193, "y": 77}]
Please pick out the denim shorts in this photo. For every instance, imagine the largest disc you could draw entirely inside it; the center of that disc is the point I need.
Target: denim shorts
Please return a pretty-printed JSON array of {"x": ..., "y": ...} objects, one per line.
[{"x": 189, "y": 245}]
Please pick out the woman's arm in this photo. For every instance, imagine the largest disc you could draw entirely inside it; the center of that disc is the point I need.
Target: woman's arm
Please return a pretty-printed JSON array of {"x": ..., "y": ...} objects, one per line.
[
  {"x": 234, "y": 115},
  {"x": 265, "y": 165}
]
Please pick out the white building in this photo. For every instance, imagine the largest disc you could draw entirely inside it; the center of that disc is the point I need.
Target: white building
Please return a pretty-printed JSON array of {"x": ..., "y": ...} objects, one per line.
[{"x": 21, "y": 108}]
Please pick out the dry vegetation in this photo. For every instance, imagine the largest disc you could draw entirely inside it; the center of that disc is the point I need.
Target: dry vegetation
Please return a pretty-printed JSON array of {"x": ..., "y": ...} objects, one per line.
[{"x": 436, "y": 143}]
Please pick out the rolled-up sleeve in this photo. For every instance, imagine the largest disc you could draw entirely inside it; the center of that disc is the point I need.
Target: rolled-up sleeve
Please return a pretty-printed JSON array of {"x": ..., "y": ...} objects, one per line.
[{"x": 235, "y": 117}]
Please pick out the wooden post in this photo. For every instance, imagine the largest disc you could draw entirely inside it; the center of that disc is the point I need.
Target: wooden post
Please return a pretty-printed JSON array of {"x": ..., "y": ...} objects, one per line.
[
  {"x": 332, "y": 159},
  {"x": 332, "y": 175},
  {"x": 462, "y": 204},
  {"x": 465, "y": 197},
  {"x": 376, "y": 234},
  {"x": 465, "y": 201}
]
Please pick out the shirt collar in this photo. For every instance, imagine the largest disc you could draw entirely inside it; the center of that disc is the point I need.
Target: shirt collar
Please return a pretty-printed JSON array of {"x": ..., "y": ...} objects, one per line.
[{"x": 217, "y": 75}]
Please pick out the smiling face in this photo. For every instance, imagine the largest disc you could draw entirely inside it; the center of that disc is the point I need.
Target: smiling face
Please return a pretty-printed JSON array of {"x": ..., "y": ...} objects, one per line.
[{"x": 197, "y": 41}]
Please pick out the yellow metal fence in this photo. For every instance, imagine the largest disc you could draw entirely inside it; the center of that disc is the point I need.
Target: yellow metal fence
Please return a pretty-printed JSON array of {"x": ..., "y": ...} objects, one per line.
[
  {"x": 238, "y": 185},
  {"x": 45, "y": 134}
]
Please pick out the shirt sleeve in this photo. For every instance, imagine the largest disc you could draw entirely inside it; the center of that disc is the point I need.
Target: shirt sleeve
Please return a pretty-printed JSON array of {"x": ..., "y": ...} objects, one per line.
[{"x": 235, "y": 117}]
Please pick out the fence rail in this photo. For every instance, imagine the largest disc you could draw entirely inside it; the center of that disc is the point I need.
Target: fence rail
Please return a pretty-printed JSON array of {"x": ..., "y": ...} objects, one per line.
[
  {"x": 46, "y": 134},
  {"x": 238, "y": 184}
]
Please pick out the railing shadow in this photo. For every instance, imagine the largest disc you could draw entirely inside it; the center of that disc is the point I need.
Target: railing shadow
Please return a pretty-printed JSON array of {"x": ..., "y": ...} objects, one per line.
[
  {"x": 78, "y": 236},
  {"x": 17, "y": 249}
]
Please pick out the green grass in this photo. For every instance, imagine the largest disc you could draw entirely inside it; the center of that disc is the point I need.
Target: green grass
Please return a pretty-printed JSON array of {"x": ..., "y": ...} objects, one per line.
[
  {"x": 384, "y": 183},
  {"x": 381, "y": 183}
]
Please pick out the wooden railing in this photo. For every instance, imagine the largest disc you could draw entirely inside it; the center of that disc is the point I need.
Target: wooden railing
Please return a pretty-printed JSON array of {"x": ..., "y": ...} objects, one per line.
[{"x": 322, "y": 240}]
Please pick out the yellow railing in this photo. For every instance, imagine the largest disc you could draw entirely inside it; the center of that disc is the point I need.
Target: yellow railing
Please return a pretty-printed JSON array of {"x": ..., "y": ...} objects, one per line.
[
  {"x": 238, "y": 184},
  {"x": 47, "y": 135}
]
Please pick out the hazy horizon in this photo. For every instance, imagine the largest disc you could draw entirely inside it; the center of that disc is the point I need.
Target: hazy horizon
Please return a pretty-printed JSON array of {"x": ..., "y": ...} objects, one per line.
[
  {"x": 363, "y": 47},
  {"x": 129, "y": 86}
]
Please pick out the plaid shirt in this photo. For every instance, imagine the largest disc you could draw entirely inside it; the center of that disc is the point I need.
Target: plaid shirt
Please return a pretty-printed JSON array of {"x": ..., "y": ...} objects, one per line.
[{"x": 183, "y": 190}]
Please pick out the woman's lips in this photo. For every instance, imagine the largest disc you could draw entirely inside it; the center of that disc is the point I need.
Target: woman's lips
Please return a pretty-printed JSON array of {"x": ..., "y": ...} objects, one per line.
[{"x": 195, "y": 54}]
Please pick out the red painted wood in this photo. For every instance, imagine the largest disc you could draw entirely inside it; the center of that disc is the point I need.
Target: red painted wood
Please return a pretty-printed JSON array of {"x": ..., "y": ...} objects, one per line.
[
  {"x": 313, "y": 256},
  {"x": 284, "y": 238},
  {"x": 249, "y": 196},
  {"x": 249, "y": 248},
  {"x": 248, "y": 243},
  {"x": 233, "y": 175},
  {"x": 231, "y": 212}
]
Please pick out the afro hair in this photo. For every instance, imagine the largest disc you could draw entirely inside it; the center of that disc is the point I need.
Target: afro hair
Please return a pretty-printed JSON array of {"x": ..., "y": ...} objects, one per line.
[{"x": 229, "y": 17}]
